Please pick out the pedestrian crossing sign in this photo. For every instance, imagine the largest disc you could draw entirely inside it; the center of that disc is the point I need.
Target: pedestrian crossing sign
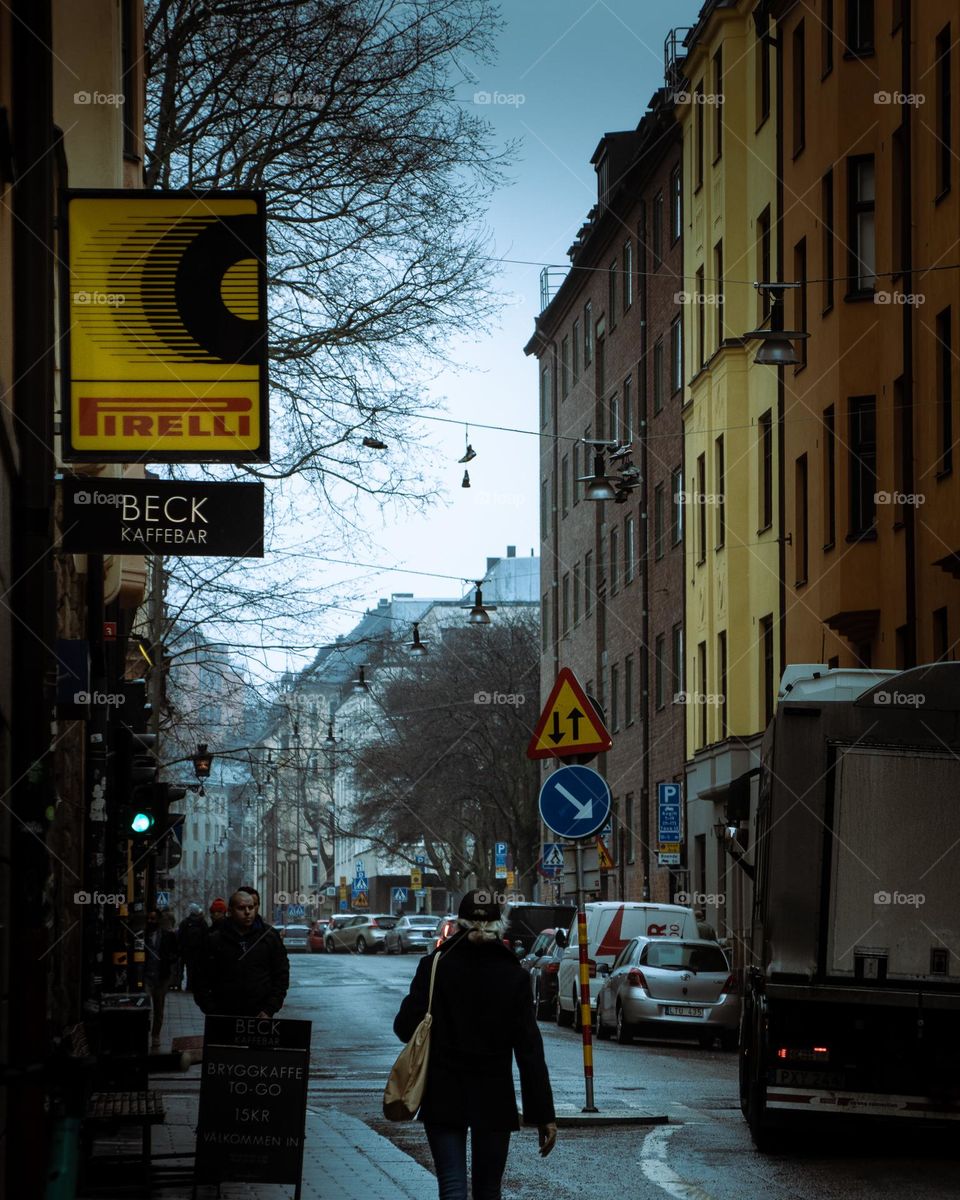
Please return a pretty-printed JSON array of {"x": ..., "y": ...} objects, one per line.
[{"x": 553, "y": 855}]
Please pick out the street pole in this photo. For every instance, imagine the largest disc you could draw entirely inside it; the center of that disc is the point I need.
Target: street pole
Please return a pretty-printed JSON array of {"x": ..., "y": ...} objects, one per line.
[{"x": 586, "y": 1025}]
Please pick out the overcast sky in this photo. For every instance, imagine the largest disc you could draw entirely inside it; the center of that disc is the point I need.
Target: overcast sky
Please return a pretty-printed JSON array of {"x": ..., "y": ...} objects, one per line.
[{"x": 567, "y": 72}]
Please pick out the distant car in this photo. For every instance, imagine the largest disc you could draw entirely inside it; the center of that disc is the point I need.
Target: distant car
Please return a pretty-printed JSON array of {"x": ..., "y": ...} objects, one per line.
[
  {"x": 336, "y": 922},
  {"x": 295, "y": 937},
  {"x": 413, "y": 932},
  {"x": 317, "y": 936},
  {"x": 545, "y": 980},
  {"x": 677, "y": 987},
  {"x": 540, "y": 944},
  {"x": 362, "y": 933}
]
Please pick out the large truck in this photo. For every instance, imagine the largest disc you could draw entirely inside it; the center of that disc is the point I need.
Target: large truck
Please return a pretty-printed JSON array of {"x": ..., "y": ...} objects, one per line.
[{"x": 852, "y": 993}]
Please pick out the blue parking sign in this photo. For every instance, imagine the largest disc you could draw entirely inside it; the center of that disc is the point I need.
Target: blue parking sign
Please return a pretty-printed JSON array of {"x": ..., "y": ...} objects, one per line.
[{"x": 669, "y": 812}]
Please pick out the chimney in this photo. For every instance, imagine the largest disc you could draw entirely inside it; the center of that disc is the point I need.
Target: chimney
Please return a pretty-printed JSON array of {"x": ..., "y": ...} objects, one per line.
[{"x": 511, "y": 552}]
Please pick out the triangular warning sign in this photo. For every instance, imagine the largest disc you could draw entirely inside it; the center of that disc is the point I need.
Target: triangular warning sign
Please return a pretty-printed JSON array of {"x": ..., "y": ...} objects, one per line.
[
  {"x": 604, "y": 856},
  {"x": 569, "y": 724}
]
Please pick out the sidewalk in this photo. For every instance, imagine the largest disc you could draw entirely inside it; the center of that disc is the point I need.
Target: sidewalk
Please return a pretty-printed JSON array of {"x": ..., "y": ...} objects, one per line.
[{"x": 343, "y": 1160}]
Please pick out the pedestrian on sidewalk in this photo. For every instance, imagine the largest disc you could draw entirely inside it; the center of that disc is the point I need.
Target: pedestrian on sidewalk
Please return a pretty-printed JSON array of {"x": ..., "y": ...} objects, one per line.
[
  {"x": 160, "y": 953},
  {"x": 192, "y": 934},
  {"x": 244, "y": 969},
  {"x": 218, "y": 911},
  {"x": 482, "y": 1018}
]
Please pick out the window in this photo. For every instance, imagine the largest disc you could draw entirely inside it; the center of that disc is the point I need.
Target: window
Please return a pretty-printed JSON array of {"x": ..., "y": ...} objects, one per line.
[
  {"x": 545, "y": 396},
  {"x": 577, "y": 582},
  {"x": 676, "y": 204},
  {"x": 658, "y": 520},
  {"x": 601, "y": 371},
  {"x": 722, "y": 677},
  {"x": 698, "y": 298},
  {"x": 628, "y": 690},
  {"x": 565, "y": 603},
  {"x": 658, "y": 375},
  {"x": 575, "y": 346},
  {"x": 659, "y": 670},
  {"x": 827, "y": 236},
  {"x": 564, "y": 485},
  {"x": 944, "y": 149},
  {"x": 657, "y": 247},
  {"x": 801, "y": 527},
  {"x": 679, "y": 679},
  {"x": 762, "y": 72},
  {"x": 614, "y": 571},
  {"x": 614, "y": 698},
  {"x": 616, "y": 419},
  {"x": 587, "y": 334},
  {"x": 575, "y": 475},
  {"x": 676, "y": 357},
  {"x": 896, "y": 201},
  {"x": 829, "y": 477},
  {"x": 763, "y": 261},
  {"x": 700, "y": 502},
  {"x": 901, "y": 463},
  {"x": 720, "y": 499},
  {"x": 565, "y": 368},
  {"x": 862, "y": 466},
  {"x": 627, "y": 275},
  {"x": 626, "y": 411},
  {"x": 588, "y": 583},
  {"x": 800, "y": 299},
  {"x": 799, "y": 89},
  {"x": 861, "y": 221},
  {"x": 545, "y": 621},
  {"x": 676, "y": 506},
  {"x": 766, "y": 668},
  {"x": 944, "y": 355},
  {"x": 765, "y": 469},
  {"x": 628, "y": 823},
  {"x": 718, "y": 289},
  {"x": 544, "y": 510},
  {"x": 698, "y": 136},
  {"x": 701, "y": 698},
  {"x": 859, "y": 27},
  {"x": 941, "y": 640},
  {"x": 629, "y": 550},
  {"x": 718, "y": 104},
  {"x": 612, "y": 294},
  {"x": 826, "y": 39}
]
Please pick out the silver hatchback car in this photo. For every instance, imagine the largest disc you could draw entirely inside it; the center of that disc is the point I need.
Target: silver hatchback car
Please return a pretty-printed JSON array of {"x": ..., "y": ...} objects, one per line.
[
  {"x": 360, "y": 933},
  {"x": 680, "y": 987}
]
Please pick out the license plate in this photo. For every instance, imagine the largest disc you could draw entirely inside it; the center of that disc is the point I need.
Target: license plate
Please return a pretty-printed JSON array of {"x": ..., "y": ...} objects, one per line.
[{"x": 679, "y": 1010}]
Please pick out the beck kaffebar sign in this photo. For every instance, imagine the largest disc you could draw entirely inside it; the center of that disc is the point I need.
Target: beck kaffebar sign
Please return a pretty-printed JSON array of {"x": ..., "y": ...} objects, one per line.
[
  {"x": 159, "y": 516},
  {"x": 164, "y": 319}
]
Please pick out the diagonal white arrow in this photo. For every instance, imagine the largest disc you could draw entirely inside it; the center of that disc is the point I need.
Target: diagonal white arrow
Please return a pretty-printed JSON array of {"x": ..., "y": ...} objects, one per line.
[{"x": 584, "y": 811}]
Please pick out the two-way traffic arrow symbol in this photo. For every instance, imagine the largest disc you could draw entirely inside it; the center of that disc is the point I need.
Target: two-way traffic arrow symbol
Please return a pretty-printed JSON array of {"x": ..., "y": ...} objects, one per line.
[{"x": 574, "y": 716}]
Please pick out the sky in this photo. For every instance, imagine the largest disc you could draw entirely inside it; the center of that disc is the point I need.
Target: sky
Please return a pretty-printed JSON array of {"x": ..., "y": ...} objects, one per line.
[{"x": 566, "y": 72}]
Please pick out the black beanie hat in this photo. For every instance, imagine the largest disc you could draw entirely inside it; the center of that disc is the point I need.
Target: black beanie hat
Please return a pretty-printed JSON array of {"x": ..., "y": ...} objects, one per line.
[{"x": 479, "y": 905}]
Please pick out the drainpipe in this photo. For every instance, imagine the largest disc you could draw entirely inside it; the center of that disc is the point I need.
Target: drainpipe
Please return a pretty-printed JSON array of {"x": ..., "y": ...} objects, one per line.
[
  {"x": 644, "y": 564},
  {"x": 781, "y": 384},
  {"x": 907, "y": 331}
]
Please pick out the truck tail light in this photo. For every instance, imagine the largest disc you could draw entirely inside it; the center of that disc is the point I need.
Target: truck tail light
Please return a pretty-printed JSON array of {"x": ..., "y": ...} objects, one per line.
[
  {"x": 552, "y": 968},
  {"x": 591, "y": 969},
  {"x": 636, "y": 978},
  {"x": 804, "y": 1053}
]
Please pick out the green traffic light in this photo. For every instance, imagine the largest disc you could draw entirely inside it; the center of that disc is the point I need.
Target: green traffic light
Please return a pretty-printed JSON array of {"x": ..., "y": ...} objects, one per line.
[{"x": 141, "y": 822}]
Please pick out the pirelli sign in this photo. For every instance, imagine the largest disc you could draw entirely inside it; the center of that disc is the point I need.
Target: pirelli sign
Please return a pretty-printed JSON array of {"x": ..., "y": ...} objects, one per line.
[{"x": 165, "y": 330}]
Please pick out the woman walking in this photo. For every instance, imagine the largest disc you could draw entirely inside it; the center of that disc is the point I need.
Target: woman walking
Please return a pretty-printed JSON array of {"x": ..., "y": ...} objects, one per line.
[{"x": 482, "y": 1017}]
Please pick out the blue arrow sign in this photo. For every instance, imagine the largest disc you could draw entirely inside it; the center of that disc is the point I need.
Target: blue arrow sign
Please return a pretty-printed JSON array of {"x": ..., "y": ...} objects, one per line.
[{"x": 575, "y": 802}]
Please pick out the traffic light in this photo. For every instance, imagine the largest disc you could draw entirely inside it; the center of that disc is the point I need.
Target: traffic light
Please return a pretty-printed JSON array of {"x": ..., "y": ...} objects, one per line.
[{"x": 137, "y": 788}]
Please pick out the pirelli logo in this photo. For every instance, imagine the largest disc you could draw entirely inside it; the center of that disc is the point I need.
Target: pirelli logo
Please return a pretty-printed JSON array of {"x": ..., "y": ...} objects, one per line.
[{"x": 165, "y": 324}]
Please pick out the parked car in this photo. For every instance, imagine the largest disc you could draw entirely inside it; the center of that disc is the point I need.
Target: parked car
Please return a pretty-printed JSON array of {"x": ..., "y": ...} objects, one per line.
[
  {"x": 413, "y": 932},
  {"x": 317, "y": 937},
  {"x": 540, "y": 944},
  {"x": 446, "y": 927},
  {"x": 295, "y": 937},
  {"x": 544, "y": 980},
  {"x": 336, "y": 922},
  {"x": 672, "y": 986},
  {"x": 522, "y": 922},
  {"x": 360, "y": 932},
  {"x": 610, "y": 925}
]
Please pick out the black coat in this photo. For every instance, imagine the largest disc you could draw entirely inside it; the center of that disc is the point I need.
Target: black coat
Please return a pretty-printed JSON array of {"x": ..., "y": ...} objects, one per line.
[
  {"x": 242, "y": 973},
  {"x": 482, "y": 1016},
  {"x": 192, "y": 934}
]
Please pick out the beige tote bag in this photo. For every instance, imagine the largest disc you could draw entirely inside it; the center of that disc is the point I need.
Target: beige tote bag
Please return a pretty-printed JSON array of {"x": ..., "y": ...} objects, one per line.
[{"x": 404, "y": 1091}]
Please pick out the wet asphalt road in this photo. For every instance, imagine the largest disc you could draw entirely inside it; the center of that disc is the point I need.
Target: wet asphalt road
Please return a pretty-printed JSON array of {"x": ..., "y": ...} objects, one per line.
[{"x": 704, "y": 1153}]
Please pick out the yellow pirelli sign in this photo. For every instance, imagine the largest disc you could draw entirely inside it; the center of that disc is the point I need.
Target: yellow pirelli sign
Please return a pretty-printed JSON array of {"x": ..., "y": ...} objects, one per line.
[{"x": 165, "y": 332}]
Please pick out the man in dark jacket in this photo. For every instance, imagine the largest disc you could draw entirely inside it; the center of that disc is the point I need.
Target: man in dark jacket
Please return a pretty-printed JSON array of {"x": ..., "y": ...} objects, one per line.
[
  {"x": 160, "y": 957},
  {"x": 482, "y": 1017},
  {"x": 244, "y": 969},
  {"x": 192, "y": 934}
]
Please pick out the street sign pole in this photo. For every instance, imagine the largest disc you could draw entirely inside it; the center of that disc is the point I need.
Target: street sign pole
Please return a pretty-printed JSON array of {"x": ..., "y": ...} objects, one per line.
[{"x": 586, "y": 1025}]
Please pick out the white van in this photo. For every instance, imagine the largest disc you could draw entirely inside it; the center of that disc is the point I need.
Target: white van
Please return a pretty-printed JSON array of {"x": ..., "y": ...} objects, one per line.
[{"x": 610, "y": 925}]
